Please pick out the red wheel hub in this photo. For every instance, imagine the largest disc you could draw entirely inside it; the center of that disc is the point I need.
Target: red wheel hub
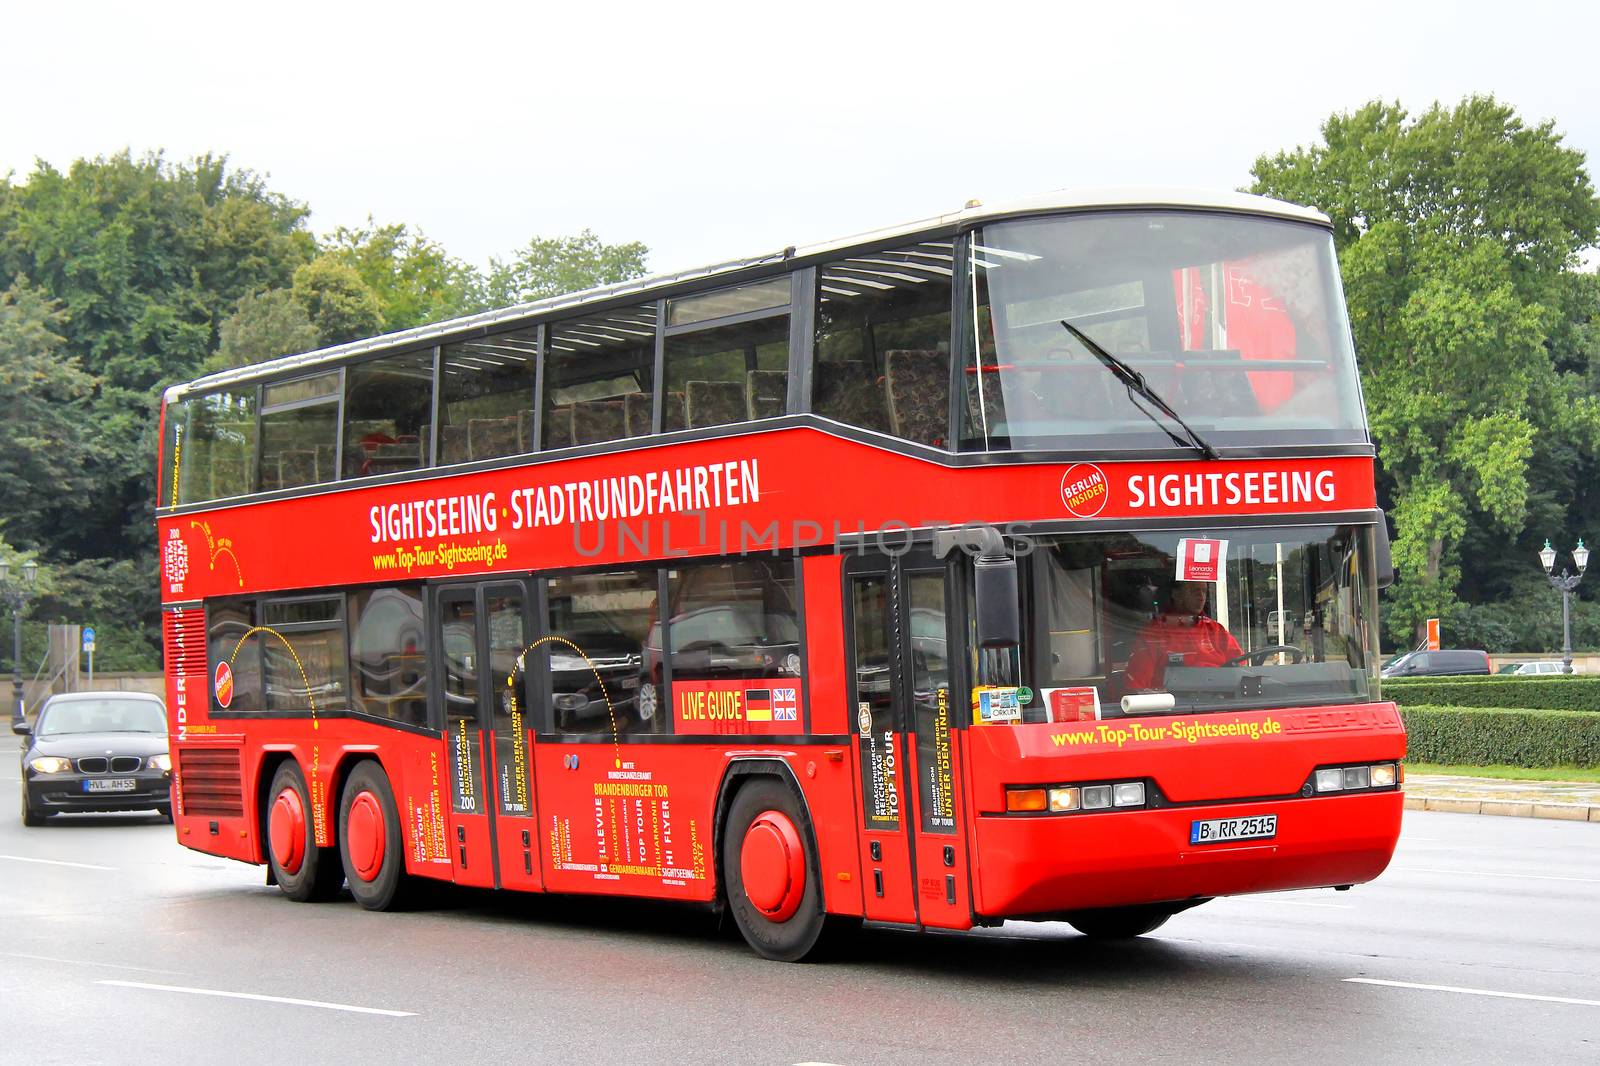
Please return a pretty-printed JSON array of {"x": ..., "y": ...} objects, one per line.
[
  {"x": 364, "y": 835},
  {"x": 286, "y": 830},
  {"x": 772, "y": 863}
]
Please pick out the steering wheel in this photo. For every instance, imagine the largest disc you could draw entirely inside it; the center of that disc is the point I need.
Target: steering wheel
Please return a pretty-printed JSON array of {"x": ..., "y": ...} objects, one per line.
[{"x": 1257, "y": 657}]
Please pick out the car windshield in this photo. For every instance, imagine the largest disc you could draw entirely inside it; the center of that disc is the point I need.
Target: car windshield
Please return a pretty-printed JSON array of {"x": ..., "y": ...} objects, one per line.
[
  {"x": 1220, "y": 620},
  {"x": 102, "y": 716},
  {"x": 1236, "y": 322}
]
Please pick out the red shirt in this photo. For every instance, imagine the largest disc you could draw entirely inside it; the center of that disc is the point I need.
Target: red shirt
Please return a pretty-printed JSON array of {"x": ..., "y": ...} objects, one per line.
[{"x": 1205, "y": 643}]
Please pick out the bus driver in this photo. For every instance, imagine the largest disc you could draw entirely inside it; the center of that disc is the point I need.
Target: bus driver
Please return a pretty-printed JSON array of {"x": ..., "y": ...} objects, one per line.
[{"x": 1182, "y": 629}]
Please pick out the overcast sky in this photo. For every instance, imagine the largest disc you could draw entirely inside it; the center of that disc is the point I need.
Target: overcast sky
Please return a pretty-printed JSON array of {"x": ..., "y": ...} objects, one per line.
[{"x": 713, "y": 131}]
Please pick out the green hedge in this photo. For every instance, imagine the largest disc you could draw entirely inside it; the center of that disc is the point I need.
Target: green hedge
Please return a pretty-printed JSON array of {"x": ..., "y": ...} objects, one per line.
[
  {"x": 1483, "y": 736},
  {"x": 1578, "y": 693}
]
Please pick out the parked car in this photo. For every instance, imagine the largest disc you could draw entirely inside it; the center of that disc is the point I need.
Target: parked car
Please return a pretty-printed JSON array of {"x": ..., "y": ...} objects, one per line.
[
  {"x": 96, "y": 751},
  {"x": 1546, "y": 666},
  {"x": 1443, "y": 663}
]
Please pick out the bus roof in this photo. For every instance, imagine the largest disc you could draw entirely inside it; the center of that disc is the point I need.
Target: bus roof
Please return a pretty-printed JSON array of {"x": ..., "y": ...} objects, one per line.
[{"x": 974, "y": 213}]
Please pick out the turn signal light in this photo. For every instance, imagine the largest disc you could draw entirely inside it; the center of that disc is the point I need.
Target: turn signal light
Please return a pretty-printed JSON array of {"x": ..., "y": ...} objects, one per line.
[{"x": 1025, "y": 799}]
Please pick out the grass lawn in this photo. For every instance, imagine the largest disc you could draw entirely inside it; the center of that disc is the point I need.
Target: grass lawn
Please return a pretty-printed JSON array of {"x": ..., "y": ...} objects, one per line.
[{"x": 1508, "y": 773}]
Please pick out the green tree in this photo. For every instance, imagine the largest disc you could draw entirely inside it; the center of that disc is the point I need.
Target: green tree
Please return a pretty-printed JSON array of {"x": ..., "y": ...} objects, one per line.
[
  {"x": 44, "y": 406},
  {"x": 264, "y": 326},
  {"x": 1462, "y": 299},
  {"x": 551, "y": 266},
  {"x": 414, "y": 279},
  {"x": 337, "y": 302},
  {"x": 145, "y": 257}
]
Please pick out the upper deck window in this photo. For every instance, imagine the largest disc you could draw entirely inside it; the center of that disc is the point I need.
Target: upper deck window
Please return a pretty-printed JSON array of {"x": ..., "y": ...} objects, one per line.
[
  {"x": 210, "y": 447},
  {"x": 599, "y": 375},
  {"x": 1237, "y": 322},
  {"x": 883, "y": 342},
  {"x": 299, "y": 432},
  {"x": 727, "y": 355},
  {"x": 486, "y": 397},
  {"x": 388, "y": 408}
]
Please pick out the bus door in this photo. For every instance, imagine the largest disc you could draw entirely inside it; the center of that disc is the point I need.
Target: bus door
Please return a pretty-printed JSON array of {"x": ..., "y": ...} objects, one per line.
[
  {"x": 507, "y": 635},
  {"x": 460, "y": 689},
  {"x": 905, "y": 751}
]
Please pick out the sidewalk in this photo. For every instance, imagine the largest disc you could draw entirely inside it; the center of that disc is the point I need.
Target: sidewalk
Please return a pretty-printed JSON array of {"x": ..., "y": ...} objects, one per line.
[{"x": 1572, "y": 801}]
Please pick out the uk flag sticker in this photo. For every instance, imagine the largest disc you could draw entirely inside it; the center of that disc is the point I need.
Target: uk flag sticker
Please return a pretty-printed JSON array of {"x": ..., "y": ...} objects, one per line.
[{"x": 785, "y": 705}]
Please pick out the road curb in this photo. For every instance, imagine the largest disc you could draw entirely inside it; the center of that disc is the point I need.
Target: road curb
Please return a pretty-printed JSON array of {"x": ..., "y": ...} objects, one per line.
[{"x": 1569, "y": 812}]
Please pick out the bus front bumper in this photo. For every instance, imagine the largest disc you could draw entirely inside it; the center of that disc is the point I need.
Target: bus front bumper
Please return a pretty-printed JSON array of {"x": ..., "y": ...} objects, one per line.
[{"x": 1043, "y": 865}]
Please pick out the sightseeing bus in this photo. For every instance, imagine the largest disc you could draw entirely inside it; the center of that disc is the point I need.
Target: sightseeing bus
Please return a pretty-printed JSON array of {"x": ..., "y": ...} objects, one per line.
[{"x": 1017, "y": 564}]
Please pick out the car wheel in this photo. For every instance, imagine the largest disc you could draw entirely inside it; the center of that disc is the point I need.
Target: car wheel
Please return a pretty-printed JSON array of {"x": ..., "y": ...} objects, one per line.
[
  {"x": 770, "y": 873},
  {"x": 646, "y": 701},
  {"x": 165, "y": 813},
  {"x": 370, "y": 846},
  {"x": 304, "y": 872},
  {"x": 31, "y": 815},
  {"x": 1119, "y": 923}
]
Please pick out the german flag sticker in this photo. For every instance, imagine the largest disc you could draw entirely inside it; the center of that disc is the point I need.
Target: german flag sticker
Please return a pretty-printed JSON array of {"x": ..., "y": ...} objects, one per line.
[{"x": 758, "y": 705}]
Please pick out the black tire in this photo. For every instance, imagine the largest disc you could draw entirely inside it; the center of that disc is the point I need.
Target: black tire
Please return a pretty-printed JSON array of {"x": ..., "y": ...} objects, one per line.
[
  {"x": 31, "y": 816},
  {"x": 165, "y": 813},
  {"x": 320, "y": 875},
  {"x": 386, "y": 890},
  {"x": 1119, "y": 923},
  {"x": 796, "y": 937}
]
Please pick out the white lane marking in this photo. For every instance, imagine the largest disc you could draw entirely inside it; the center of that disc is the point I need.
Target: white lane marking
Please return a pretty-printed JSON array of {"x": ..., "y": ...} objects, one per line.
[
  {"x": 1480, "y": 873},
  {"x": 85, "y": 962},
  {"x": 263, "y": 999},
  {"x": 59, "y": 862},
  {"x": 1474, "y": 991}
]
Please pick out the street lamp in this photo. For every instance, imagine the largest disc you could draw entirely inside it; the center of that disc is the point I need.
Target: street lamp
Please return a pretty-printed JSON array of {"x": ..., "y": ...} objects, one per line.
[
  {"x": 1567, "y": 583},
  {"x": 15, "y": 594}
]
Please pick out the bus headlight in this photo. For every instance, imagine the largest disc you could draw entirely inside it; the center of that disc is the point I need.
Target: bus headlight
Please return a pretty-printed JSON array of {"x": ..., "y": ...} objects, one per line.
[{"x": 1360, "y": 778}]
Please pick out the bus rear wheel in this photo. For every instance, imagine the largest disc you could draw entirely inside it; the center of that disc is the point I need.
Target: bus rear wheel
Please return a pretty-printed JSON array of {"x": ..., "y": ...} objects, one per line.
[
  {"x": 370, "y": 846},
  {"x": 304, "y": 872},
  {"x": 1119, "y": 923},
  {"x": 770, "y": 872}
]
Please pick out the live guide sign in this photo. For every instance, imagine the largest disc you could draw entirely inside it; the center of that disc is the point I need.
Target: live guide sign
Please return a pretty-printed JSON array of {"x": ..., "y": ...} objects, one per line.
[{"x": 757, "y": 492}]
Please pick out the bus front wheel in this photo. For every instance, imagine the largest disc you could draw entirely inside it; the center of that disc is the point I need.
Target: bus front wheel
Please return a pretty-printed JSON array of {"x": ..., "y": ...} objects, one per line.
[
  {"x": 303, "y": 871},
  {"x": 1119, "y": 923},
  {"x": 769, "y": 872},
  {"x": 370, "y": 846}
]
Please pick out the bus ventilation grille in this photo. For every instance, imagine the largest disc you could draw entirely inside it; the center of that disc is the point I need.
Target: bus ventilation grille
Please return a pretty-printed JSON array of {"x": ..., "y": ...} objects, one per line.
[
  {"x": 186, "y": 640},
  {"x": 212, "y": 783}
]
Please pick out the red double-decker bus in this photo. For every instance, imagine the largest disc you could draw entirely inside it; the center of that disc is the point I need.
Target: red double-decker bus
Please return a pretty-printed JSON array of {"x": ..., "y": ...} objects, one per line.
[{"x": 1021, "y": 563}]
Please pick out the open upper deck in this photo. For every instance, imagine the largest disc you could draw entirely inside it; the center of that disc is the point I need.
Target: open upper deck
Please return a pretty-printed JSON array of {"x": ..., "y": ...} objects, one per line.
[{"x": 944, "y": 336}]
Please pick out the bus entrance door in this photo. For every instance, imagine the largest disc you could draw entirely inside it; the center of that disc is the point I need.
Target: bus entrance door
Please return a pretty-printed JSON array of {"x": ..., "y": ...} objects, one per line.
[
  {"x": 911, "y": 847},
  {"x": 505, "y": 611},
  {"x": 459, "y": 686}
]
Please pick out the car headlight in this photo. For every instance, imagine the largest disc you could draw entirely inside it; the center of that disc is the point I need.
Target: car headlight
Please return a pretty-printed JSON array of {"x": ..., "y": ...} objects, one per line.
[
  {"x": 51, "y": 764},
  {"x": 161, "y": 762}
]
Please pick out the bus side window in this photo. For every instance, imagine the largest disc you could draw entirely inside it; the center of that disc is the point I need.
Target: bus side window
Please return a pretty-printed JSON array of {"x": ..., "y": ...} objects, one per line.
[
  {"x": 883, "y": 341},
  {"x": 604, "y": 674},
  {"x": 486, "y": 397}
]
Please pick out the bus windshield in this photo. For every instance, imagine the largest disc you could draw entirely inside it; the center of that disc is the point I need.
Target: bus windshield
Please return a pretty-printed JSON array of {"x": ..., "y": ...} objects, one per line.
[
  {"x": 1284, "y": 621},
  {"x": 1236, "y": 322}
]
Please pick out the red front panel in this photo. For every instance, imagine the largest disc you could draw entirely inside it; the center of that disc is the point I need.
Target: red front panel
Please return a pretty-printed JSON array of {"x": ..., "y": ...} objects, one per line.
[
  {"x": 1030, "y": 864},
  {"x": 756, "y": 491}
]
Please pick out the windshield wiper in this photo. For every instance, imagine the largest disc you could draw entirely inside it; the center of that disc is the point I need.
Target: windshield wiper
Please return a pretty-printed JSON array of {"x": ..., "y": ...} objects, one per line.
[{"x": 1136, "y": 384}]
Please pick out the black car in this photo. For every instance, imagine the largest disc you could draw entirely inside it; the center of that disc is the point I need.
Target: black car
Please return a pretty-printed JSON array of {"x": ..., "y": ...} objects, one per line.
[
  {"x": 1446, "y": 663},
  {"x": 96, "y": 751}
]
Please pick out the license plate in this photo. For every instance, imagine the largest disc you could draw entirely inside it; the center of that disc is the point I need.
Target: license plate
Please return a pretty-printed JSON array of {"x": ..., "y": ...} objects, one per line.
[
  {"x": 1219, "y": 830},
  {"x": 110, "y": 784}
]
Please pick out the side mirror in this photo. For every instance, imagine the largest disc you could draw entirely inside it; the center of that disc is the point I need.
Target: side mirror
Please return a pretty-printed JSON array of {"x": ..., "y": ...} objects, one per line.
[
  {"x": 998, "y": 609},
  {"x": 21, "y": 728},
  {"x": 1381, "y": 553}
]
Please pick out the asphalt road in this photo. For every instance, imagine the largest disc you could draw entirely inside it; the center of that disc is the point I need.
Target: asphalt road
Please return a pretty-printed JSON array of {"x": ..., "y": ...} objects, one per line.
[{"x": 1481, "y": 944}]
